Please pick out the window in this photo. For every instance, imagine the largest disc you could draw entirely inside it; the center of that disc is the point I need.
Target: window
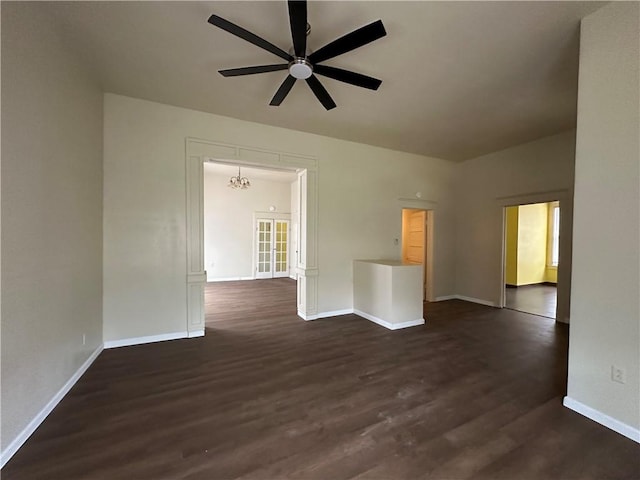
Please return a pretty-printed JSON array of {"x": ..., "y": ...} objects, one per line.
[{"x": 554, "y": 234}]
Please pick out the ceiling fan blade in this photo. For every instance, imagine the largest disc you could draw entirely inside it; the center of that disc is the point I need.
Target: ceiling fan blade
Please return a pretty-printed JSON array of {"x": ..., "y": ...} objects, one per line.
[
  {"x": 320, "y": 92},
  {"x": 350, "y": 41},
  {"x": 298, "y": 21},
  {"x": 283, "y": 91},
  {"x": 248, "y": 36},
  {"x": 346, "y": 76},
  {"x": 234, "y": 72}
]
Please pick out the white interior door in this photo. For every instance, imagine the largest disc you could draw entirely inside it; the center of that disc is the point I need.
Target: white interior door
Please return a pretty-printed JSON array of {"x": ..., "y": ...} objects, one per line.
[
  {"x": 264, "y": 239},
  {"x": 281, "y": 249},
  {"x": 272, "y": 248}
]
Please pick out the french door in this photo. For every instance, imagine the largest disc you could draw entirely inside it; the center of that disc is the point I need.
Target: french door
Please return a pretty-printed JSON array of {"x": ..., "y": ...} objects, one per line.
[{"x": 272, "y": 248}]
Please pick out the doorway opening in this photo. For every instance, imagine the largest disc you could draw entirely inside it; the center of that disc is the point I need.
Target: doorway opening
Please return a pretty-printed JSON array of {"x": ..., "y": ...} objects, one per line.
[
  {"x": 417, "y": 245},
  {"x": 271, "y": 247},
  {"x": 198, "y": 153},
  {"x": 531, "y": 258},
  {"x": 249, "y": 235}
]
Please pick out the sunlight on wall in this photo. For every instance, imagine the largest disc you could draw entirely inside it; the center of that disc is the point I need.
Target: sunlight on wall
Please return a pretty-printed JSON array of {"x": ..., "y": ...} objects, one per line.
[
  {"x": 532, "y": 243},
  {"x": 527, "y": 242}
]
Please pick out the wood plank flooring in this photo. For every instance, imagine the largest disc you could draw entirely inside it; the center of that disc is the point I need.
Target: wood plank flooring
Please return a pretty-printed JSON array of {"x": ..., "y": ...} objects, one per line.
[
  {"x": 475, "y": 393},
  {"x": 243, "y": 299},
  {"x": 536, "y": 299}
]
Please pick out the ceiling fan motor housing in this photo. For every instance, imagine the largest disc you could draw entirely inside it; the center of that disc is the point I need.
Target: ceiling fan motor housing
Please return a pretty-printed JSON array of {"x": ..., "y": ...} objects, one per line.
[{"x": 300, "y": 68}]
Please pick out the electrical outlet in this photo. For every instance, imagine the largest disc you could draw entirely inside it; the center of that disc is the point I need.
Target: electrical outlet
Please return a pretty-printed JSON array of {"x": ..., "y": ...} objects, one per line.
[{"x": 618, "y": 374}]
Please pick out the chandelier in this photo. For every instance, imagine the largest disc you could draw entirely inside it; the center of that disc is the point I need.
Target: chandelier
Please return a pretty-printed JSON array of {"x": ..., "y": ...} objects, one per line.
[{"x": 239, "y": 182}]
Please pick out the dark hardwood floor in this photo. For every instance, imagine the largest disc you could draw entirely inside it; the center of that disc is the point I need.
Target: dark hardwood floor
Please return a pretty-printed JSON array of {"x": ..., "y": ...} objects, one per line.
[
  {"x": 475, "y": 393},
  {"x": 537, "y": 299},
  {"x": 254, "y": 298}
]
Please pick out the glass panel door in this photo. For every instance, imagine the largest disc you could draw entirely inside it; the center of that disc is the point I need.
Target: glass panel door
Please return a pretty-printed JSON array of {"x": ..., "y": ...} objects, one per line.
[
  {"x": 281, "y": 250},
  {"x": 264, "y": 232}
]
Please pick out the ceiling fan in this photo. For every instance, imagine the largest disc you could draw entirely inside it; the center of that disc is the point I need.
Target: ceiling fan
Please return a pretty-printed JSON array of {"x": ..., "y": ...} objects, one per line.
[{"x": 301, "y": 64}]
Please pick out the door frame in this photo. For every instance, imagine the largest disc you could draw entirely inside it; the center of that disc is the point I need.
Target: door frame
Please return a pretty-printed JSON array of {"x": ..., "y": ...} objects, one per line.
[
  {"x": 271, "y": 216},
  {"x": 198, "y": 151},
  {"x": 429, "y": 206},
  {"x": 427, "y": 261},
  {"x": 565, "y": 201}
]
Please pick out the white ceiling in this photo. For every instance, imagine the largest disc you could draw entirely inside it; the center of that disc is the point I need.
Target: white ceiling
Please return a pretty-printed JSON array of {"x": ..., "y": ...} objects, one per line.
[
  {"x": 270, "y": 175},
  {"x": 460, "y": 79}
]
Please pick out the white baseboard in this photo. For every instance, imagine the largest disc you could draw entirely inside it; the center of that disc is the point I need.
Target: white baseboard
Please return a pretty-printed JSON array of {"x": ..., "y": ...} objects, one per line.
[
  {"x": 389, "y": 325},
  {"x": 229, "y": 279},
  {"x": 306, "y": 317},
  {"x": 603, "y": 419},
  {"x": 333, "y": 313},
  {"x": 446, "y": 297},
  {"x": 23, "y": 436},
  {"x": 476, "y": 300},
  {"x": 466, "y": 299},
  {"x": 126, "y": 342},
  {"x": 196, "y": 333}
]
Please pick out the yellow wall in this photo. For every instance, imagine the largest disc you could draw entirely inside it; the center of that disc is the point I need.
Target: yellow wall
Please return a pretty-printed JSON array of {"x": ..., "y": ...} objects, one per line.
[
  {"x": 532, "y": 243},
  {"x": 551, "y": 273},
  {"x": 511, "y": 245},
  {"x": 526, "y": 244}
]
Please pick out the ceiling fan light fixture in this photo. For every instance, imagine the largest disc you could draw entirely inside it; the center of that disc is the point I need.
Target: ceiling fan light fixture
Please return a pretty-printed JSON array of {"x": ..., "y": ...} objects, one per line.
[{"x": 300, "y": 68}]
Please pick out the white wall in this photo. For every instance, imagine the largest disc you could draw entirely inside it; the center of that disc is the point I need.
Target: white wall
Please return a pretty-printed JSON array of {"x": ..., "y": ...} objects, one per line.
[
  {"x": 144, "y": 211},
  {"x": 293, "y": 238},
  {"x": 51, "y": 216},
  {"x": 533, "y": 172},
  {"x": 605, "y": 327},
  {"x": 229, "y": 222}
]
